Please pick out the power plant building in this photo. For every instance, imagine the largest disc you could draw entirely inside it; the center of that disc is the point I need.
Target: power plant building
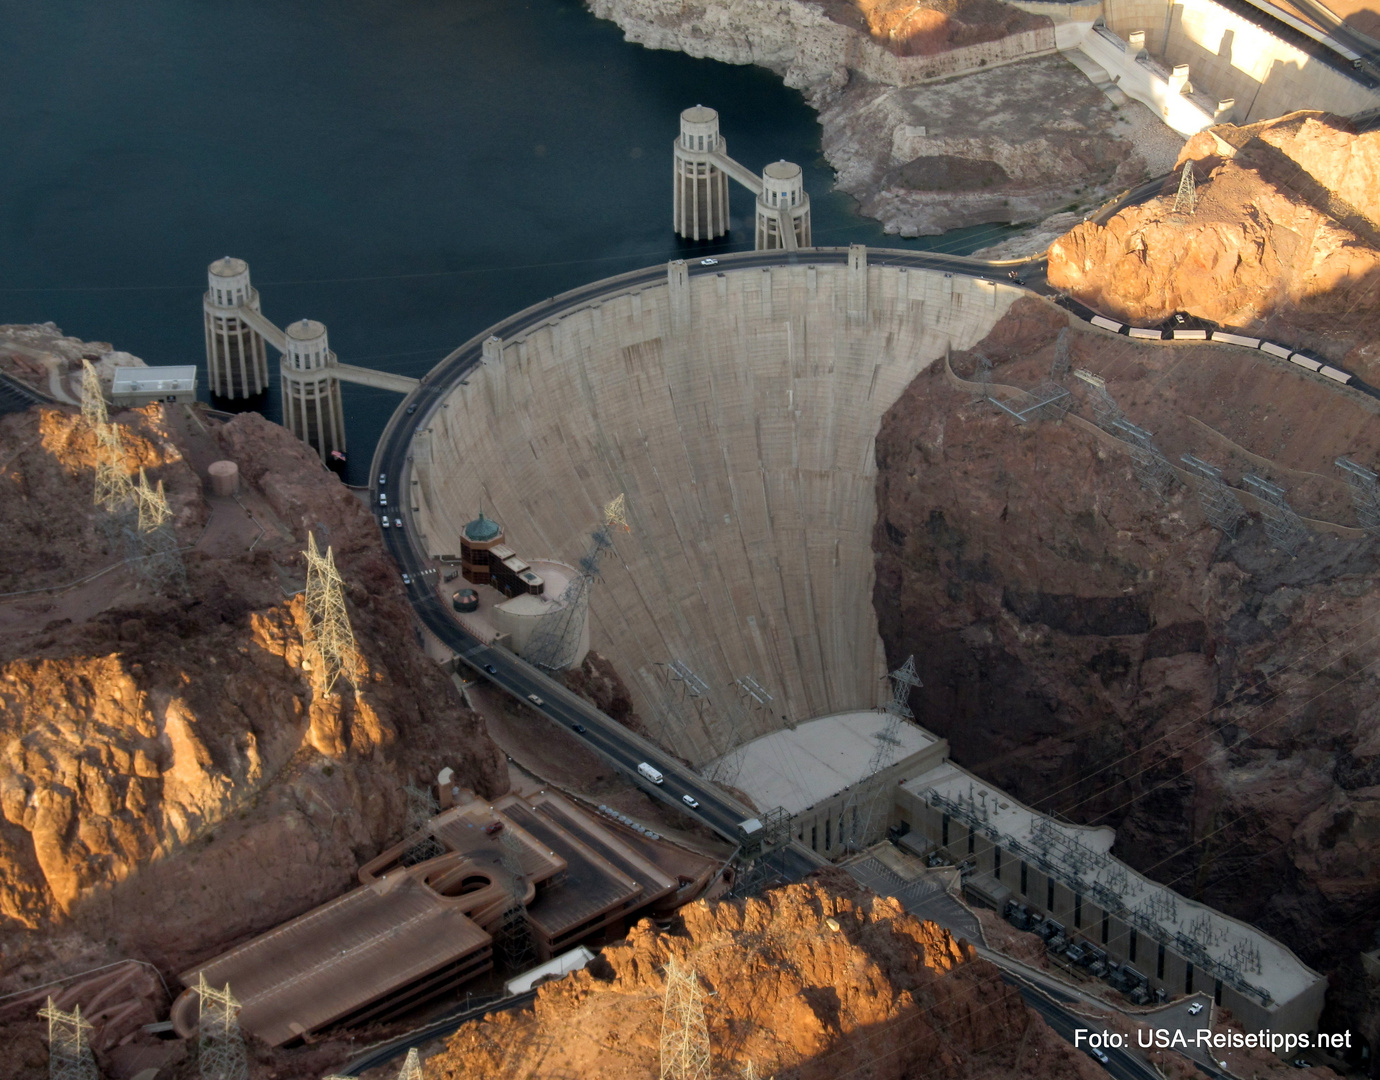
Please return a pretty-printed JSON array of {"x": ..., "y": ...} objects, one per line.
[{"x": 131, "y": 387}]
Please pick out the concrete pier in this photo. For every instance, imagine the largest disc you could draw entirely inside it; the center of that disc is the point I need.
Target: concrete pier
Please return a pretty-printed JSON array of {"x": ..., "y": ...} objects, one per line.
[
  {"x": 783, "y": 209},
  {"x": 701, "y": 186},
  {"x": 312, "y": 407},
  {"x": 236, "y": 361}
]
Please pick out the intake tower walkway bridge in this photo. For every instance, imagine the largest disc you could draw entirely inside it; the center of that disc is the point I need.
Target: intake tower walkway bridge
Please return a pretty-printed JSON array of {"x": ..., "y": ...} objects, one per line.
[{"x": 237, "y": 365}]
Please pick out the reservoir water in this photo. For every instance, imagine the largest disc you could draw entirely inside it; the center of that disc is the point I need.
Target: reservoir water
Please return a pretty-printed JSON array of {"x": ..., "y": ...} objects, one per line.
[{"x": 406, "y": 171}]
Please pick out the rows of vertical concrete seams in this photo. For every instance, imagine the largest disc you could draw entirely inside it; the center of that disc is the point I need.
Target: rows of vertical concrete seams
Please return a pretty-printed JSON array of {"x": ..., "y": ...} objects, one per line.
[{"x": 741, "y": 428}]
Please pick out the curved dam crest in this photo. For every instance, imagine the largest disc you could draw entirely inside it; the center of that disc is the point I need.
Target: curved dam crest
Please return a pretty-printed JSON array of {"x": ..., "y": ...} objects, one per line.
[{"x": 740, "y": 425}]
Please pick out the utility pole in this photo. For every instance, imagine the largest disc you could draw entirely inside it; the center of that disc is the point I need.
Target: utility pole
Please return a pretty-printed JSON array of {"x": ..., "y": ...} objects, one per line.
[
  {"x": 685, "y": 1053},
  {"x": 69, "y": 1044},
  {"x": 330, "y": 640}
]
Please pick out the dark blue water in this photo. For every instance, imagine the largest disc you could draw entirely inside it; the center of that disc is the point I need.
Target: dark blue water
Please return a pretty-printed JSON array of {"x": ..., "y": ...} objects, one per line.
[{"x": 406, "y": 171}]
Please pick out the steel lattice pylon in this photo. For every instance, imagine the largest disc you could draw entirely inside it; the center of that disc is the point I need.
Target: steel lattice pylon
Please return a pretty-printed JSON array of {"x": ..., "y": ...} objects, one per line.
[
  {"x": 92, "y": 400},
  {"x": 557, "y": 640},
  {"x": 421, "y": 808},
  {"x": 1282, "y": 525},
  {"x": 1365, "y": 493},
  {"x": 69, "y": 1044},
  {"x": 220, "y": 1050},
  {"x": 685, "y": 1053},
  {"x": 515, "y": 934},
  {"x": 1062, "y": 362},
  {"x": 114, "y": 488},
  {"x": 1221, "y": 507},
  {"x": 861, "y": 806},
  {"x": 330, "y": 640},
  {"x": 159, "y": 560},
  {"x": 1151, "y": 467},
  {"x": 1106, "y": 411},
  {"x": 412, "y": 1067},
  {"x": 1186, "y": 198}
]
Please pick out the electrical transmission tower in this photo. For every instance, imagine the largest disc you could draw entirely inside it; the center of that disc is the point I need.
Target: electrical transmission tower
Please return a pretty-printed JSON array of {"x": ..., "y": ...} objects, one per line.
[
  {"x": 412, "y": 1067},
  {"x": 1106, "y": 411},
  {"x": 515, "y": 933},
  {"x": 861, "y": 806},
  {"x": 220, "y": 1052},
  {"x": 421, "y": 808},
  {"x": 1282, "y": 525},
  {"x": 330, "y": 641},
  {"x": 1063, "y": 361},
  {"x": 1221, "y": 507},
  {"x": 1365, "y": 493},
  {"x": 69, "y": 1044},
  {"x": 556, "y": 642},
  {"x": 685, "y": 1051},
  {"x": 1151, "y": 467},
  {"x": 160, "y": 563},
  {"x": 92, "y": 400},
  {"x": 1186, "y": 199}
]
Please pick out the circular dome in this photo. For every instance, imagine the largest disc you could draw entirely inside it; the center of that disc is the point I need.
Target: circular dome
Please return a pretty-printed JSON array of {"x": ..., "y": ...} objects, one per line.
[
  {"x": 481, "y": 529},
  {"x": 782, "y": 170}
]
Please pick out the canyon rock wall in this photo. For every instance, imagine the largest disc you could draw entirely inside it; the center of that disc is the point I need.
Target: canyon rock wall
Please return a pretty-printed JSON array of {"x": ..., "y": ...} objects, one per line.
[
  {"x": 786, "y": 992},
  {"x": 170, "y": 778},
  {"x": 1101, "y": 652},
  {"x": 1285, "y": 240},
  {"x": 1030, "y": 132}
]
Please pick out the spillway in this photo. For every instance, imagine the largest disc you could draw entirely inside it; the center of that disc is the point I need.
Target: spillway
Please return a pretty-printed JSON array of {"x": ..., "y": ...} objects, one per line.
[{"x": 737, "y": 409}]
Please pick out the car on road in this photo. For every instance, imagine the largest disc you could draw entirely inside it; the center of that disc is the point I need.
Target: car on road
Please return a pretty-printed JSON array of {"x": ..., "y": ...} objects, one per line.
[
  {"x": 383, "y": 478},
  {"x": 407, "y": 579},
  {"x": 397, "y": 523},
  {"x": 689, "y": 801},
  {"x": 411, "y": 408},
  {"x": 1095, "y": 1052},
  {"x": 1195, "y": 1008},
  {"x": 709, "y": 262},
  {"x": 491, "y": 669},
  {"x": 385, "y": 521},
  {"x": 579, "y": 729},
  {"x": 383, "y": 499},
  {"x": 535, "y": 700}
]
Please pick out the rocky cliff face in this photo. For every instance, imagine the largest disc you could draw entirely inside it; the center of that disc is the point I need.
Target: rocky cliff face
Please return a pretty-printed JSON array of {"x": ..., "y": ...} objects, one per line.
[
  {"x": 1012, "y": 142},
  {"x": 1285, "y": 240},
  {"x": 170, "y": 779},
  {"x": 1101, "y": 652},
  {"x": 786, "y": 992}
]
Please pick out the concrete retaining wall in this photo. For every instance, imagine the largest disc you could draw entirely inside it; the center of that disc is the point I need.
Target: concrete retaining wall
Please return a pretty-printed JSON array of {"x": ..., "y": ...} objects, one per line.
[{"x": 873, "y": 62}]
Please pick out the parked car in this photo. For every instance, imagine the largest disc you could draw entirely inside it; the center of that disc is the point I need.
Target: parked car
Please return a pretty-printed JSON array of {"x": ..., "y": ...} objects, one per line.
[{"x": 1195, "y": 1008}]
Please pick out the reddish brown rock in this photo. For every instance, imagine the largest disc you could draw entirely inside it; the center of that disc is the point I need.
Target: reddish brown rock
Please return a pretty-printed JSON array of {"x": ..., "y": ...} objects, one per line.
[{"x": 1285, "y": 240}]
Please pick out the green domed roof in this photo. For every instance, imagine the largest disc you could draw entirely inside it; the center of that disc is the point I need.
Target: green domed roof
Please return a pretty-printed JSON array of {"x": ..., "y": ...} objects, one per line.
[{"x": 481, "y": 529}]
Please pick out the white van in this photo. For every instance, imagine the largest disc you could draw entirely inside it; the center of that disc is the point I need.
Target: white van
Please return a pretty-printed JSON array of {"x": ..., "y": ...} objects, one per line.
[{"x": 650, "y": 773}]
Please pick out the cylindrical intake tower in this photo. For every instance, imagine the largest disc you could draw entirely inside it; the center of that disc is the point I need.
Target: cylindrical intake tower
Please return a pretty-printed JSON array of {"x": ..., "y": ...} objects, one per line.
[
  {"x": 312, "y": 408},
  {"x": 784, "y": 205},
  {"x": 701, "y": 187},
  {"x": 236, "y": 361}
]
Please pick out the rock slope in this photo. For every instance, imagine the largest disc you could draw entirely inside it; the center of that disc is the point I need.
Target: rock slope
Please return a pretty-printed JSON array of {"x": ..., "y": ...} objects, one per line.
[
  {"x": 1285, "y": 240},
  {"x": 1036, "y": 136},
  {"x": 170, "y": 778},
  {"x": 884, "y": 993},
  {"x": 1100, "y": 652}
]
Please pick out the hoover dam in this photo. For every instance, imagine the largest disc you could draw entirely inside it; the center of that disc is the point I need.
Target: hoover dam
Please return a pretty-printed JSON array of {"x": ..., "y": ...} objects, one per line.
[{"x": 736, "y": 408}]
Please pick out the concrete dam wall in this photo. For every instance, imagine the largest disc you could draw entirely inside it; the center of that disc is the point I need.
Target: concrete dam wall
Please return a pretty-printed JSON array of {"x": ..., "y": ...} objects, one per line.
[{"x": 737, "y": 411}]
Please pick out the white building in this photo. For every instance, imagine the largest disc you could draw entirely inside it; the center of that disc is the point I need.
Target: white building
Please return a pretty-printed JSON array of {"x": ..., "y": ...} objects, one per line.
[{"x": 134, "y": 386}]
